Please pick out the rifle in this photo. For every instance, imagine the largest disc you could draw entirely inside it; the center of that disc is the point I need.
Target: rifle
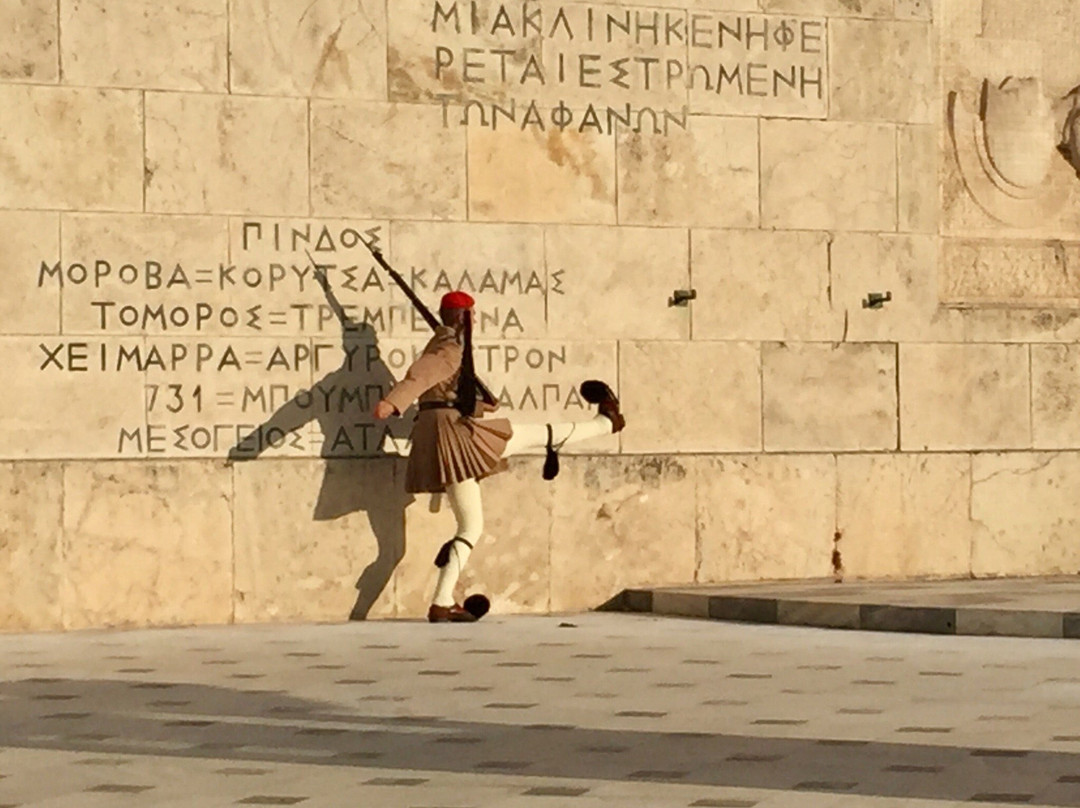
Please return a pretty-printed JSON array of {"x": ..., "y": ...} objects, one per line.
[{"x": 485, "y": 393}]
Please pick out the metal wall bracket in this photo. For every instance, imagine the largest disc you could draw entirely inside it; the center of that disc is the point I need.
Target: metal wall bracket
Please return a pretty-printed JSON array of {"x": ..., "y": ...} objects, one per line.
[
  {"x": 682, "y": 297},
  {"x": 875, "y": 300}
]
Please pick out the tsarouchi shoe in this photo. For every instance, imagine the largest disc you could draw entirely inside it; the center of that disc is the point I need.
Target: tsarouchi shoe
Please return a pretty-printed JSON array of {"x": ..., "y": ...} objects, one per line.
[
  {"x": 597, "y": 392},
  {"x": 449, "y": 614}
]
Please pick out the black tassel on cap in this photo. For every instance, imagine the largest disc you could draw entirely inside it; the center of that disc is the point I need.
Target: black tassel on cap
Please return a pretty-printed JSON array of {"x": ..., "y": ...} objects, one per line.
[
  {"x": 466, "y": 386},
  {"x": 551, "y": 462}
]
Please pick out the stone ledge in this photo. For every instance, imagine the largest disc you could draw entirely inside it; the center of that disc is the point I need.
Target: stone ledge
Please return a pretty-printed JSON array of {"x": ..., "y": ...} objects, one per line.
[{"x": 1007, "y": 607}]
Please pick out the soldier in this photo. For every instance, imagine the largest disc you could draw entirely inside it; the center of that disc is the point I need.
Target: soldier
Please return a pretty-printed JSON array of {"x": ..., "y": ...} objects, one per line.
[{"x": 453, "y": 446}]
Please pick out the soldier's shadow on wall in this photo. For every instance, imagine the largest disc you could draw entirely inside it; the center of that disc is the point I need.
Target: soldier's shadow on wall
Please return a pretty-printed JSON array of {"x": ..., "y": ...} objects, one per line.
[{"x": 350, "y": 485}]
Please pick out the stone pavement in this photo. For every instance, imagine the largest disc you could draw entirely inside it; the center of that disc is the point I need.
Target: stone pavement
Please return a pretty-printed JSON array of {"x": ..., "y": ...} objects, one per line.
[
  {"x": 535, "y": 712},
  {"x": 1014, "y": 607}
]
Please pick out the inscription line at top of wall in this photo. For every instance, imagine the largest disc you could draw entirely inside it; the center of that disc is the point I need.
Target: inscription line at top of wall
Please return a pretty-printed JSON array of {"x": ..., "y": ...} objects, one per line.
[{"x": 701, "y": 30}]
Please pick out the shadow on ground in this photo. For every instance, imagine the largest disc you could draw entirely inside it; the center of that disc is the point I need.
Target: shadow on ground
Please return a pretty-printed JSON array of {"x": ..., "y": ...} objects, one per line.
[{"x": 198, "y": 721}]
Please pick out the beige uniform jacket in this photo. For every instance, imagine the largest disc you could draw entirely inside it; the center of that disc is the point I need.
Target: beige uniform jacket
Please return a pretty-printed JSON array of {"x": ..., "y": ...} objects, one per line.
[{"x": 447, "y": 447}]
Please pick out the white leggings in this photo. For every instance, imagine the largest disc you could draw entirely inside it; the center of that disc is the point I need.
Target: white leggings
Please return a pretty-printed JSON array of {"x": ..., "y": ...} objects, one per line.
[{"x": 466, "y": 503}]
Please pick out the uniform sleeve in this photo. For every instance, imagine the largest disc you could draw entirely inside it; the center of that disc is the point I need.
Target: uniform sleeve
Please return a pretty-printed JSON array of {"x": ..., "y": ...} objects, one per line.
[{"x": 434, "y": 366}]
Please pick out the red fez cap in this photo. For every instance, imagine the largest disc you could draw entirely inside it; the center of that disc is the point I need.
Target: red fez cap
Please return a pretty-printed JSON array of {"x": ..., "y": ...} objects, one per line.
[{"x": 456, "y": 300}]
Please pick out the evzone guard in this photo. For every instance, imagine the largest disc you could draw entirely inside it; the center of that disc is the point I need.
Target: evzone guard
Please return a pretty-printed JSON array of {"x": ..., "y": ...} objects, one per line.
[{"x": 454, "y": 446}]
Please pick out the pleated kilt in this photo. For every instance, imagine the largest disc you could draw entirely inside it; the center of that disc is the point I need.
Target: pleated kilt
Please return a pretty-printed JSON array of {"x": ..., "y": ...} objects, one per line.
[{"x": 448, "y": 448}]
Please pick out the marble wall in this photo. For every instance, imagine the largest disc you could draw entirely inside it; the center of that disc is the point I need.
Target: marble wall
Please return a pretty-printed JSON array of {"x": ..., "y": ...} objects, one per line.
[{"x": 184, "y": 427}]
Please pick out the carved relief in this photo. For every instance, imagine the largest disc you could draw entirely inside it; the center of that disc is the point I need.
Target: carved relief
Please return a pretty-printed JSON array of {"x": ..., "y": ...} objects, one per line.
[
  {"x": 1070, "y": 134},
  {"x": 1006, "y": 151}
]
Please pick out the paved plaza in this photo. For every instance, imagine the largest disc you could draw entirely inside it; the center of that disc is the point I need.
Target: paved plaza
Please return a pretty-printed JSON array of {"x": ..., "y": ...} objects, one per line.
[{"x": 599, "y": 709}]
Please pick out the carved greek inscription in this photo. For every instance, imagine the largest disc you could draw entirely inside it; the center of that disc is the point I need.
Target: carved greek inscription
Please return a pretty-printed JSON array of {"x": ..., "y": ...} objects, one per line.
[
  {"x": 600, "y": 68},
  {"x": 288, "y": 345}
]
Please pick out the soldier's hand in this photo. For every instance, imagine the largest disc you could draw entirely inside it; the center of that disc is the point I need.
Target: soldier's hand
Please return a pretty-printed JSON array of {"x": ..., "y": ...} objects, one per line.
[{"x": 384, "y": 409}]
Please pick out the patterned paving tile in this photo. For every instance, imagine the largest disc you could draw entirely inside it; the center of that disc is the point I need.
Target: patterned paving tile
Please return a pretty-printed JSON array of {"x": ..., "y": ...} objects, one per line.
[
  {"x": 509, "y": 705},
  {"x": 118, "y": 788},
  {"x": 1001, "y": 797},
  {"x": 824, "y": 785},
  {"x": 662, "y": 775},
  {"x": 555, "y": 791},
  {"x": 242, "y": 771},
  {"x": 1000, "y": 753}
]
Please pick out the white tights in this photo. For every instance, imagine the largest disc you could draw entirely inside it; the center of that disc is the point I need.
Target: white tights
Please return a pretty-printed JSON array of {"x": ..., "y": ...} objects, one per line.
[{"x": 465, "y": 498}]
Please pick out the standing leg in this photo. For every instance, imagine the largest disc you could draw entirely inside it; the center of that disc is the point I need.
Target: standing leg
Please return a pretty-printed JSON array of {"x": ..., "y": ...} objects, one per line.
[{"x": 468, "y": 510}]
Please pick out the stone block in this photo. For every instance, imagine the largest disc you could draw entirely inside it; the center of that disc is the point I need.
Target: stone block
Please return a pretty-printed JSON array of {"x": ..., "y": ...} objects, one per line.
[
  {"x": 765, "y": 517},
  {"x": 683, "y": 604},
  {"x": 764, "y": 66},
  {"x": 759, "y": 285},
  {"x": 1025, "y": 513},
  {"x": 318, "y": 540},
  {"x": 832, "y": 8},
  {"x": 1053, "y": 19},
  {"x": 743, "y": 609},
  {"x": 667, "y": 180},
  {"x": 919, "y": 156},
  {"x": 252, "y": 154},
  {"x": 30, "y": 530},
  {"x": 28, "y": 305},
  {"x": 904, "y": 516},
  {"x": 1020, "y": 325},
  {"x": 274, "y": 272},
  {"x": 906, "y": 267},
  {"x": 616, "y": 282},
  {"x": 959, "y": 19},
  {"x": 146, "y": 544},
  {"x": 386, "y": 160},
  {"x": 502, "y": 268},
  {"x": 28, "y": 41},
  {"x": 964, "y": 397},
  {"x": 151, "y": 248},
  {"x": 915, "y": 9},
  {"x": 907, "y": 619},
  {"x": 1071, "y": 626},
  {"x": 1002, "y": 623},
  {"x": 529, "y": 176},
  {"x": 1032, "y": 273},
  {"x": 816, "y": 613},
  {"x": 511, "y": 561},
  {"x": 43, "y": 157},
  {"x": 60, "y": 401},
  {"x": 326, "y": 49},
  {"x": 852, "y": 186},
  {"x": 620, "y": 522},
  {"x": 719, "y": 411},
  {"x": 829, "y": 396},
  {"x": 1055, "y": 392},
  {"x": 173, "y": 46},
  {"x": 882, "y": 71}
]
